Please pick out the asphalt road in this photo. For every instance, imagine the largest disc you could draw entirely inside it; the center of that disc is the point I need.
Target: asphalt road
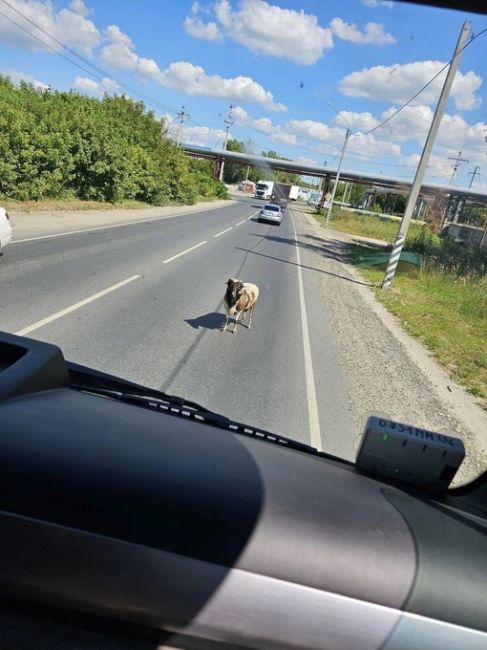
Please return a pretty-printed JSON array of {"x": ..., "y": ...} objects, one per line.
[{"x": 144, "y": 301}]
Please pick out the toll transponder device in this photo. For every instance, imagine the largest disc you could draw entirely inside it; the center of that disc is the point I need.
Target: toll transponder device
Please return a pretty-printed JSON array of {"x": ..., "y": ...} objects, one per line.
[{"x": 410, "y": 454}]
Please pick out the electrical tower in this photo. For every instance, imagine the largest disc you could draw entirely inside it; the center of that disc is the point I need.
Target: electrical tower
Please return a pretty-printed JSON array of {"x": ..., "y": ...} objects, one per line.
[
  {"x": 229, "y": 122},
  {"x": 457, "y": 161},
  {"x": 182, "y": 115},
  {"x": 476, "y": 172}
]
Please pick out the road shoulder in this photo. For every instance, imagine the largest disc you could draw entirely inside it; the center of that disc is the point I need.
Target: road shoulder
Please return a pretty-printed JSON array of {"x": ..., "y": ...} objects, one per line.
[
  {"x": 388, "y": 370},
  {"x": 27, "y": 225}
]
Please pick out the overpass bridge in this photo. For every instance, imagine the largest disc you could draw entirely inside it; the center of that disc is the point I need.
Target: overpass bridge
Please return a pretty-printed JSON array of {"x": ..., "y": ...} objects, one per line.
[{"x": 434, "y": 191}]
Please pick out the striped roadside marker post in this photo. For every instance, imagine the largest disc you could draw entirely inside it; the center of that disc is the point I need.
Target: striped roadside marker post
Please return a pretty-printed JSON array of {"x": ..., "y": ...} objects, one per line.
[{"x": 393, "y": 260}]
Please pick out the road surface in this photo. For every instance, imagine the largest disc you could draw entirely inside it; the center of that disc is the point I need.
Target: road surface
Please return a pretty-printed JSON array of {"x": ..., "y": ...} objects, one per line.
[{"x": 144, "y": 301}]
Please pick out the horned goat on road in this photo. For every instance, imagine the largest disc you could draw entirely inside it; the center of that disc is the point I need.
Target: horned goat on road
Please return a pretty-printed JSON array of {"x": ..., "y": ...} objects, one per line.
[{"x": 240, "y": 298}]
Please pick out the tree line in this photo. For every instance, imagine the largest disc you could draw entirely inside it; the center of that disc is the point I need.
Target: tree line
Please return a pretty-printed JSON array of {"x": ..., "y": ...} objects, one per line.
[
  {"x": 233, "y": 173},
  {"x": 62, "y": 144}
]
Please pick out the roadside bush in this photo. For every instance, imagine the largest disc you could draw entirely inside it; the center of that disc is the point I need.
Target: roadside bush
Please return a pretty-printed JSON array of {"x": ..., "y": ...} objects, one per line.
[
  {"x": 58, "y": 144},
  {"x": 448, "y": 256},
  {"x": 206, "y": 185}
]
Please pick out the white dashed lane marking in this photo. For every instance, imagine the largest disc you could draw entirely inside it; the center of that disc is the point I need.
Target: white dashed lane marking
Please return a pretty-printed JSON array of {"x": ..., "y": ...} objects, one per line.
[
  {"x": 77, "y": 305},
  {"x": 188, "y": 250}
]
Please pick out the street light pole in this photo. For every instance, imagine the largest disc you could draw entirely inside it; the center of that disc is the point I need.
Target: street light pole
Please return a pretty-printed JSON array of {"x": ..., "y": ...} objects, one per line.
[
  {"x": 425, "y": 156},
  {"x": 337, "y": 178}
]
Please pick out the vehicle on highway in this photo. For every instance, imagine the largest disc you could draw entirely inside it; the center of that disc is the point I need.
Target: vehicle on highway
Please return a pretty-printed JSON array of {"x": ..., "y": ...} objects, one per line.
[
  {"x": 272, "y": 213},
  {"x": 264, "y": 190},
  {"x": 5, "y": 229}
]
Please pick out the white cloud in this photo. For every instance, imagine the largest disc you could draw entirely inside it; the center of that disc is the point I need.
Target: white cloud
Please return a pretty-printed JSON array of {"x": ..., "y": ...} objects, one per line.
[
  {"x": 412, "y": 123},
  {"x": 193, "y": 80},
  {"x": 373, "y": 33},
  {"x": 397, "y": 83},
  {"x": 378, "y": 3},
  {"x": 16, "y": 77},
  {"x": 95, "y": 87},
  {"x": 286, "y": 33},
  {"x": 115, "y": 35},
  {"x": 188, "y": 78},
  {"x": 262, "y": 124},
  {"x": 79, "y": 7},
  {"x": 358, "y": 121},
  {"x": 363, "y": 146},
  {"x": 455, "y": 133},
  {"x": 199, "y": 135},
  {"x": 195, "y": 7},
  {"x": 438, "y": 168},
  {"x": 71, "y": 27},
  {"x": 287, "y": 138},
  {"x": 197, "y": 28},
  {"x": 275, "y": 31},
  {"x": 119, "y": 57}
]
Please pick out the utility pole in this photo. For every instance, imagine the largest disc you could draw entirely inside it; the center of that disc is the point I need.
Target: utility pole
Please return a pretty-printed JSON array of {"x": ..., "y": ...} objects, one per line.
[
  {"x": 229, "y": 122},
  {"x": 425, "y": 156},
  {"x": 182, "y": 115},
  {"x": 458, "y": 159},
  {"x": 320, "y": 187},
  {"x": 337, "y": 178},
  {"x": 476, "y": 172}
]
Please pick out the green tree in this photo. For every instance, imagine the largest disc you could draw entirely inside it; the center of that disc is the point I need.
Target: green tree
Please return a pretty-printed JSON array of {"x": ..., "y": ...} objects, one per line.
[
  {"x": 356, "y": 194},
  {"x": 56, "y": 144},
  {"x": 279, "y": 176},
  {"x": 233, "y": 173}
]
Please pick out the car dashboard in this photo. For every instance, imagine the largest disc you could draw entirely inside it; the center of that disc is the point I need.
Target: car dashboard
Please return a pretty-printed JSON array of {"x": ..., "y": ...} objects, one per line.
[{"x": 126, "y": 527}]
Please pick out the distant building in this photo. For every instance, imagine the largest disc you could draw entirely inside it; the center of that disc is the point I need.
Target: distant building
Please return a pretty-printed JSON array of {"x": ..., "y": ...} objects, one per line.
[{"x": 246, "y": 186}]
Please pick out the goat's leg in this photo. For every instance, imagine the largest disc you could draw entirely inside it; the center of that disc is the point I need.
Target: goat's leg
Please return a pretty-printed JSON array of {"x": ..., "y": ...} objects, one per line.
[
  {"x": 224, "y": 326},
  {"x": 249, "y": 324},
  {"x": 234, "y": 331}
]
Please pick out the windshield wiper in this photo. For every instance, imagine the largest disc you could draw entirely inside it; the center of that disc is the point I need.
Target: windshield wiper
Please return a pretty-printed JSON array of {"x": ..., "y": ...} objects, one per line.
[{"x": 91, "y": 381}]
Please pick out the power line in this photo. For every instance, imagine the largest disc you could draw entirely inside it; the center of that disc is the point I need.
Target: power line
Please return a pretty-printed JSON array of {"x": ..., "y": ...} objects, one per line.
[
  {"x": 411, "y": 99},
  {"x": 98, "y": 72}
]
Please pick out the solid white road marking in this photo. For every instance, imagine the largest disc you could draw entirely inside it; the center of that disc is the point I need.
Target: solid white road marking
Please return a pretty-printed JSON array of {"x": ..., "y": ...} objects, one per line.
[
  {"x": 81, "y": 303},
  {"x": 240, "y": 222},
  {"x": 223, "y": 231},
  {"x": 314, "y": 419},
  {"x": 188, "y": 250}
]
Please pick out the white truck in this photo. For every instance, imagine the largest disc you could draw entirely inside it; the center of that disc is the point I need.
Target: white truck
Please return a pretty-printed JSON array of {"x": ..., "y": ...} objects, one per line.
[
  {"x": 280, "y": 191},
  {"x": 294, "y": 192},
  {"x": 264, "y": 190}
]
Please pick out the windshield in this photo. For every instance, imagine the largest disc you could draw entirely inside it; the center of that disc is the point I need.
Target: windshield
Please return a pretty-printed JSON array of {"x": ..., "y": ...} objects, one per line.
[{"x": 139, "y": 143}]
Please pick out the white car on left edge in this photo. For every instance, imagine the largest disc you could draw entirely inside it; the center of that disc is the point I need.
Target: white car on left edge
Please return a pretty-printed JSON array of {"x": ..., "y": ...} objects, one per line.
[{"x": 5, "y": 229}]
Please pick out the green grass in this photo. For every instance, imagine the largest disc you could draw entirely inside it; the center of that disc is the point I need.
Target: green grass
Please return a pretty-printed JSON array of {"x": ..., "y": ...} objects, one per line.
[
  {"x": 446, "y": 314},
  {"x": 68, "y": 204},
  {"x": 76, "y": 204},
  {"x": 367, "y": 226}
]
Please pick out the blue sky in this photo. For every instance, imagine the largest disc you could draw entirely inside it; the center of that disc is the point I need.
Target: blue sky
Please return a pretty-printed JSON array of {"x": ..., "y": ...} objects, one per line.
[{"x": 279, "y": 63}]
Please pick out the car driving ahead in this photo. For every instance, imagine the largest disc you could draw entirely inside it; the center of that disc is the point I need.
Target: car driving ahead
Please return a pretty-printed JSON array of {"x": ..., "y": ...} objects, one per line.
[
  {"x": 5, "y": 229},
  {"x": 272, "y": 213}
]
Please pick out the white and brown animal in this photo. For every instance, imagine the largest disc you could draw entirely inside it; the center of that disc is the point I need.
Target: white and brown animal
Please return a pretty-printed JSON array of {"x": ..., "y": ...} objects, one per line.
[{"x": 240, "y": 298}]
